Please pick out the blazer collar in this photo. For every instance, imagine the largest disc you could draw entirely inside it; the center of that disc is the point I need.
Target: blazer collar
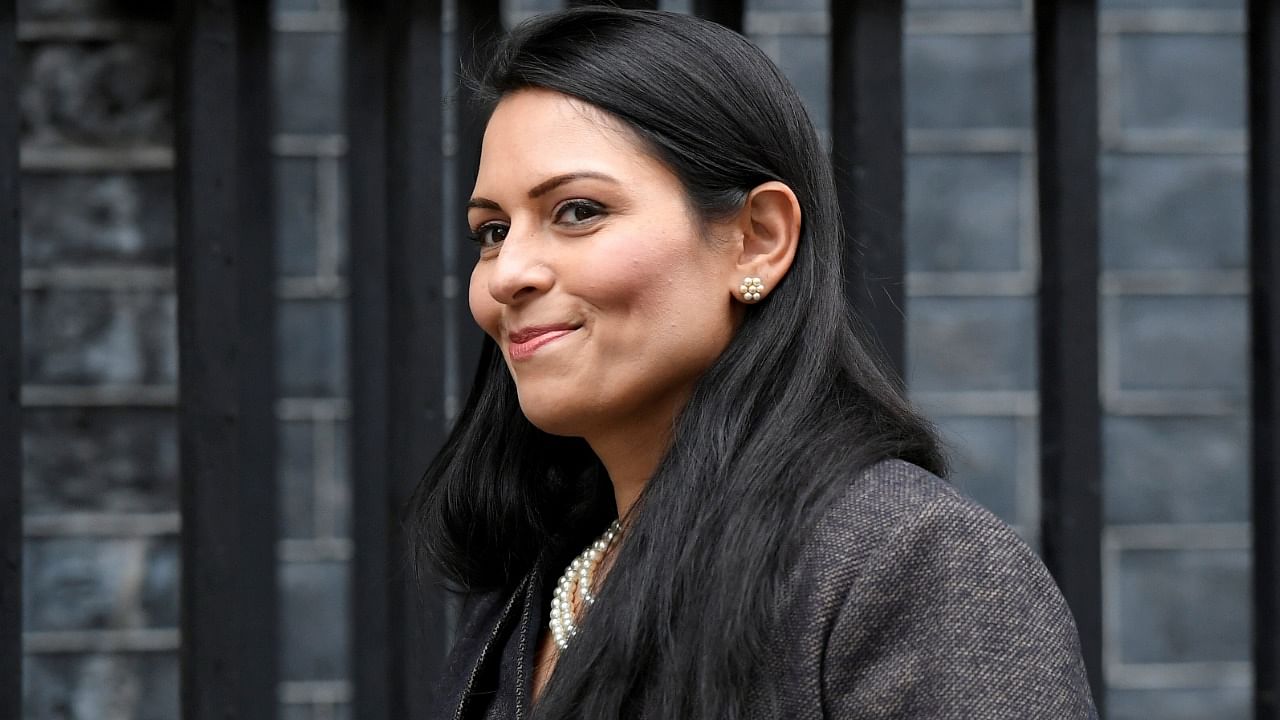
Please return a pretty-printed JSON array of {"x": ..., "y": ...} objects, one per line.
[{"x": 483, "y": 640}]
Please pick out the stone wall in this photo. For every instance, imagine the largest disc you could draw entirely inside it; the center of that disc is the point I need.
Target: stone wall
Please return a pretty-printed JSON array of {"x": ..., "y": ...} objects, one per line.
[{"x": 100, "y": 348}]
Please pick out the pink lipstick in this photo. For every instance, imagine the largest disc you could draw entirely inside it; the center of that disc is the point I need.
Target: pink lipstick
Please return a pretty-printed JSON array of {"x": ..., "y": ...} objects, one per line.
[{"x": 526, "y": 341}]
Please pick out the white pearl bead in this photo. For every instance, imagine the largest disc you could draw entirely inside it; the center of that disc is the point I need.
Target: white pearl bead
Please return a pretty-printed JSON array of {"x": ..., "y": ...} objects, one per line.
[{"x": 577, "y": 580}]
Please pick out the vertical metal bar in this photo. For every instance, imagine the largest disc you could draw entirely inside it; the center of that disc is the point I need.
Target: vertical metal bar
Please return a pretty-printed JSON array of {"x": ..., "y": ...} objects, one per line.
[
  {"x": 368, "y": 62},
  {"x": 415, "y": 366},
  {"x": 479, "y": 23},
  {"x": 867, "y": 150},
  {"x": 1070, "y": 410},
  {"x": 10, "y": 376},
  {"x": 1264, "y": 306},
  {"x": 255, "y": 228},
  {"x": 726, "y": 12},
  {"x": 225, "y": 339}
]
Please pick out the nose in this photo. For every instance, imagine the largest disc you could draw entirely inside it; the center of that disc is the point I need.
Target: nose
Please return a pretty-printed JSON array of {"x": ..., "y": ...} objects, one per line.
[{"x": 520, "y": 272}]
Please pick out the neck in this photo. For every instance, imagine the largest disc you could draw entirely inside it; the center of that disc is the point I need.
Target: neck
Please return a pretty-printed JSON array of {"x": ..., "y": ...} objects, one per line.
[{"x": 630, "y": 455}]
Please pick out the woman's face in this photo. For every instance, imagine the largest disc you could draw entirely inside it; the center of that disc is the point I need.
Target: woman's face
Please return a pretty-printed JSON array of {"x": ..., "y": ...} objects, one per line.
[{"x": 605, "y": 294}]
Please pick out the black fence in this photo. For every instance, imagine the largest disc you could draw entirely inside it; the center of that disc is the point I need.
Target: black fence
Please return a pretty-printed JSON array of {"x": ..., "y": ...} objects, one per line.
[{"x": 397, "y": 309}]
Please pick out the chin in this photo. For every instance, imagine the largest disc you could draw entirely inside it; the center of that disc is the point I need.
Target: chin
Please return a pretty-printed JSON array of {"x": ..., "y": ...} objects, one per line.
[{"x": 549, "y": 413}]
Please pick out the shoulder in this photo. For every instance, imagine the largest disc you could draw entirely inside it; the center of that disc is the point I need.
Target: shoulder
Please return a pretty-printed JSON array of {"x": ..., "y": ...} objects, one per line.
[
  {"x": 915, "y": 599},
  {"x": 896, "y": 516},
  {"x": 903, "y": 537},
  {"x": 894, "y": 493},
  {"x": 894, "y": 500}
]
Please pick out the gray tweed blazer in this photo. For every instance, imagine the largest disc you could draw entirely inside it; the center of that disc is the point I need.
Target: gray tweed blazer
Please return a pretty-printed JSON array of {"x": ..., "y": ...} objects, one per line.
[{"x": 908, "y": 601}]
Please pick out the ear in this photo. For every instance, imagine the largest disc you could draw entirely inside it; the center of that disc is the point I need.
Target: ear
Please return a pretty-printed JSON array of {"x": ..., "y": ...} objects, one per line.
[{"x": 770, "y": 225}]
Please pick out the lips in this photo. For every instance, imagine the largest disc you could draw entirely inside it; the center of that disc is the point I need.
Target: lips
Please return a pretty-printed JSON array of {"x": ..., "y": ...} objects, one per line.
[{"x": 527, "y": 340}]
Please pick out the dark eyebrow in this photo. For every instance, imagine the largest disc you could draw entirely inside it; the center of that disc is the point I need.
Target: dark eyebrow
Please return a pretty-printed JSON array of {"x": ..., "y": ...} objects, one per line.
[
  {"x": 547, "y": 186},
  {"x": 483, "y": 203},
  {"x": 543, "y": 188}
]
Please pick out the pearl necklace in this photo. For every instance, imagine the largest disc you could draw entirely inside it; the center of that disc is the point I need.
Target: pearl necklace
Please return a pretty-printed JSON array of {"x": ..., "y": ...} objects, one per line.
[{"x": 578, "y": 577}]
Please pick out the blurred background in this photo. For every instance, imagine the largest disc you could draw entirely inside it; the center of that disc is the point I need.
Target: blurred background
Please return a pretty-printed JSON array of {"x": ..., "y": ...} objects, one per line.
[{"x": 100, "y": 443}]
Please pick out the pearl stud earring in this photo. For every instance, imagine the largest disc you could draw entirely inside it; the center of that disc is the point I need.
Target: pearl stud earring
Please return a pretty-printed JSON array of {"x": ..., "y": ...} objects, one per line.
[{"x": 751, "y": 288}]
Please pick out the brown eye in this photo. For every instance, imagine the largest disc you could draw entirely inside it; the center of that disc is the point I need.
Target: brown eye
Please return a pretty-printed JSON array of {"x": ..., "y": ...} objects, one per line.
[
  {"x": 577, "y": 212},
  {"x": 489, "y": 235}
]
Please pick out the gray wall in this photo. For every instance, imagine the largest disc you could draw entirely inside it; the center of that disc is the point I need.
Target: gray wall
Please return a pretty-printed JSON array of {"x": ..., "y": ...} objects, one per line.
[{"x": 100, "y": 442}]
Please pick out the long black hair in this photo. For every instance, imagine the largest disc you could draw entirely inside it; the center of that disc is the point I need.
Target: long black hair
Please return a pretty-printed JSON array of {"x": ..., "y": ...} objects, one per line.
[{"x": 781, "y": 423}]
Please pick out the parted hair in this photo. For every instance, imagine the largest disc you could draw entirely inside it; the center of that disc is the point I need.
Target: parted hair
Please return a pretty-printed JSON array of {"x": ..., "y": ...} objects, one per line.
[{"x": 792, "y": 410}]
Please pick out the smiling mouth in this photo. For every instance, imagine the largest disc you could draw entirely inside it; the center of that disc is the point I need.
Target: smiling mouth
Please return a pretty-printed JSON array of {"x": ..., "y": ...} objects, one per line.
[{"x": 526, "y": 341}]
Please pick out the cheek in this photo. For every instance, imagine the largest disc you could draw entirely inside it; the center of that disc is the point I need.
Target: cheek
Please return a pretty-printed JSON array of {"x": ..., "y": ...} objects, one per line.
[
  {"x": 484, "y": 308},
  {"x": 663, "y": 296},
  {"x": 639, "y": 271},
  {"x": 634, "y": 297}
]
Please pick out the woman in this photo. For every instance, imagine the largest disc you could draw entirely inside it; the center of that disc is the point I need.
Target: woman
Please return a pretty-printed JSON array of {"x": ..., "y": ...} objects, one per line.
[{"x": 658, "y": 273}]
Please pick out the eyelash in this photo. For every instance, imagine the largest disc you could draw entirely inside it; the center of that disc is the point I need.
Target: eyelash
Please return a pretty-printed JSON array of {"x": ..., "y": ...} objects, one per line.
[
  {"x": 477, "y": 236},
  {"x": 595, "y": 207}
]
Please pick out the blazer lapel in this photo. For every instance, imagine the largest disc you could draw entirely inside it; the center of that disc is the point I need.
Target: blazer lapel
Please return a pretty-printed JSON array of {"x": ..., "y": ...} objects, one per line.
[{"x": 479, "y": 643}]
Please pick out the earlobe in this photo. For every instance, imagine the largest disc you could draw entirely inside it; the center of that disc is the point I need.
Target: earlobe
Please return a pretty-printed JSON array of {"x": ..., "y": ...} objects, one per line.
[{"x": 770, "y": 224}]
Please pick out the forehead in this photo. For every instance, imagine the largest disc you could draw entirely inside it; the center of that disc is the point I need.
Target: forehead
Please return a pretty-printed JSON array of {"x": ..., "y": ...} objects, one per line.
[{"x": 536, "y": 133}]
